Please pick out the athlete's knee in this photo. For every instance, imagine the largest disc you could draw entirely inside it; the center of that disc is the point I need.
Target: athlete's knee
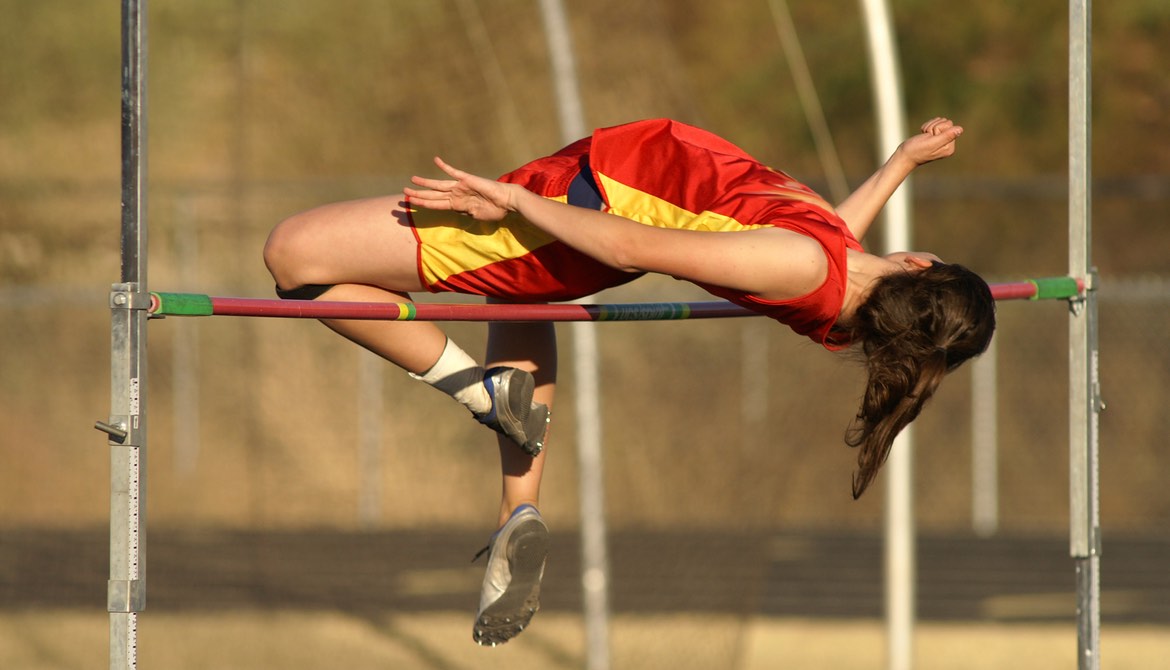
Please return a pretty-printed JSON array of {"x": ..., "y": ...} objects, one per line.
[
  {"x": 291, "y": 255},
  {"x": 284, "y": 252}
]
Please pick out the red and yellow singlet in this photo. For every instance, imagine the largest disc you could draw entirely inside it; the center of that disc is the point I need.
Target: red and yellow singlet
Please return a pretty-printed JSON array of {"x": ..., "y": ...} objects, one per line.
[{"x": 656, "y": 172}]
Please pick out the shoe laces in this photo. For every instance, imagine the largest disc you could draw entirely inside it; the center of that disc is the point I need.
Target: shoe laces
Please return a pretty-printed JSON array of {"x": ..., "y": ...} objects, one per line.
[{"x": 481, "y": 552}]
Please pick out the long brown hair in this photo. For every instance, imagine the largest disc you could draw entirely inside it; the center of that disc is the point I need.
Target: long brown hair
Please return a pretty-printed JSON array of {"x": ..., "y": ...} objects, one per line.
[{"x": 913, "y": 328}]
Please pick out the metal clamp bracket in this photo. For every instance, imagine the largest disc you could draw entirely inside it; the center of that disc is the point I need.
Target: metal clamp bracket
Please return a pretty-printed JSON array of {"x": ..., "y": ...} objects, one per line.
[
  {"x": 1076, "y": 304},
  {"x": 127, "y": 296}
]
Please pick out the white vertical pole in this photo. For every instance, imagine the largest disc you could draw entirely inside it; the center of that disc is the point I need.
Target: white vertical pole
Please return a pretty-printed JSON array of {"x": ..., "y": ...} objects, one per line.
[
  {"x": 570, "y": 110},
  {"x": 594, "y": 552},
  {"x": 985, "y": 443},
  {"x": 1084, "y": 389},
  {"x": 899, "y": 514}
]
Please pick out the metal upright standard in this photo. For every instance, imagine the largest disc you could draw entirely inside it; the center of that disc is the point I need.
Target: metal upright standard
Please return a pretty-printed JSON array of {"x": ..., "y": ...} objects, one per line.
[
  {"x": 1084, "y": 383},
  {"x": 129, "y": 306}
]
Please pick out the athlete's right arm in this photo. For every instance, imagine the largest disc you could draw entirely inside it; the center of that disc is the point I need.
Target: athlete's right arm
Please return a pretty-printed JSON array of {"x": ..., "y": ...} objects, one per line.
[{"x": 937, "y": 140}]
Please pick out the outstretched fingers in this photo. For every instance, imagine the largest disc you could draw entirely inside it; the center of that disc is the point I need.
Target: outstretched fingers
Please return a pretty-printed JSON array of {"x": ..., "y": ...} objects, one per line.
[
  {"x": 440, "y": 186},
  {"x": 455, "y": 172},
  {"x": 433, "y": 195},
  {"x": 482, "y": 199}
]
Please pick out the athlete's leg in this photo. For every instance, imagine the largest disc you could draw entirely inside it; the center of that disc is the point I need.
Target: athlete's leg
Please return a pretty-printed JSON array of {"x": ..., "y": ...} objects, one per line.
[
  {"x": 510, "y": 594},
  {"x": 365, "y": 250},
  {"x": 531, "y": 347}
]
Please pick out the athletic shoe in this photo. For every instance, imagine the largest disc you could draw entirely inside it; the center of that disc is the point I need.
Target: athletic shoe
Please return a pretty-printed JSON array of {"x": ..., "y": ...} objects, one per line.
[
  {"x": 511, "y": 588},
  {"x": 513, "y": 413}
]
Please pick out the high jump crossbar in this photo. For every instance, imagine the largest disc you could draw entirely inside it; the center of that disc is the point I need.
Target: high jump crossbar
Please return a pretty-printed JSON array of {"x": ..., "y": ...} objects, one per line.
[{"x": 196, "y": 304}]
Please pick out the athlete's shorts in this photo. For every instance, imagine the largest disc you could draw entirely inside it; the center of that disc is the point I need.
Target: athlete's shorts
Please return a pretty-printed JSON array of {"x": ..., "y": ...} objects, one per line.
[{"x": 512, "y": 259}]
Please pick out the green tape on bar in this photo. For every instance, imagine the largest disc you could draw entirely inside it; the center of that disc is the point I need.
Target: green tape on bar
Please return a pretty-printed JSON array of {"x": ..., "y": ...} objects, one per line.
[
  {"x": 1056, "y": 288},
  {"x": 644, "y": 311},
  {"x": 183, "y": 304},
  {"x": 407, "y": 312}
]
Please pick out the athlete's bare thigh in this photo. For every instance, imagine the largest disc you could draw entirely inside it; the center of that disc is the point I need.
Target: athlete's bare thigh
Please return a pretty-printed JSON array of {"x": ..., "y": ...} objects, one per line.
[{"x": 355, "y": 242}]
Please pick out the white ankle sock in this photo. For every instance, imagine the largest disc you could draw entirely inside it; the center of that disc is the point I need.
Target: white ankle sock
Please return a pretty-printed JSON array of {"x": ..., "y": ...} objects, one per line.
[{"x": 459, "y": 376}]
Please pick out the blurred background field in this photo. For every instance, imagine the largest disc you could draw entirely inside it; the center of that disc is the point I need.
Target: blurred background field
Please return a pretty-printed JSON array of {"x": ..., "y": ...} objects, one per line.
[{"x": 260, "y": 109}]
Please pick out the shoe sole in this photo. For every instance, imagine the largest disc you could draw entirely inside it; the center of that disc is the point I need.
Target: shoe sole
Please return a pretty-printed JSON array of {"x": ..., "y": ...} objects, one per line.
[
  {"x": 532, "y": 419},
  {"x": 511, "y": 612}
]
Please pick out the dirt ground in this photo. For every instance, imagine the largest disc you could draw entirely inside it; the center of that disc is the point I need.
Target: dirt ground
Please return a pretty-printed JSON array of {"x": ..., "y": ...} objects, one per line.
[
  {"x": 295, "y": 640},
  {"x": 709, "y": 601}
]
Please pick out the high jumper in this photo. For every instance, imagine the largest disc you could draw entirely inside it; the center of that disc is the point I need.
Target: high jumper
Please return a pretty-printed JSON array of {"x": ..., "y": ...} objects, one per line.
[{"x": 655, "y": 196}]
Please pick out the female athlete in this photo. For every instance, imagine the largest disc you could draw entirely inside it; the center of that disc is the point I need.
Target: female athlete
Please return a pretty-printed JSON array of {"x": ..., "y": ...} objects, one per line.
[{"x": 651, "y": 196}]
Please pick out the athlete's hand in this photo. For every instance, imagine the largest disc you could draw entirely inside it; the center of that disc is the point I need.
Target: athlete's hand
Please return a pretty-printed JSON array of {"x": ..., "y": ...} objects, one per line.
[
  {"x": 482, "y": 199},
  {"x": 937, "y": 140}
]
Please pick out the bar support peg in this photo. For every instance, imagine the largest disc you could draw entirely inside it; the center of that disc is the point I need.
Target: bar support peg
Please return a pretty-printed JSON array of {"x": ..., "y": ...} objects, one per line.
[{"x": 116, "y": 432}]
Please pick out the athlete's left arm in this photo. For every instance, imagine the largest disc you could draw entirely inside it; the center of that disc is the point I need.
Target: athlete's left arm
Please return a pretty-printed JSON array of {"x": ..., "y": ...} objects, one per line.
[{"x": 937, "y": 140}]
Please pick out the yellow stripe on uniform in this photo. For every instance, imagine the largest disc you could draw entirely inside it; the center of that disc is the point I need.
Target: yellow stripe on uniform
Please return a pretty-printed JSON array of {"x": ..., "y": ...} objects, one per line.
[
  {"x": 451, "y": 244},
  {"x": 631, "y": 203}
]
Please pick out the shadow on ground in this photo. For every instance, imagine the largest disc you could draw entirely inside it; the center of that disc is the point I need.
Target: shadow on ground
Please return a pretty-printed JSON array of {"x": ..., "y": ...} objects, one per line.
[{"x": 960, "y": 578}]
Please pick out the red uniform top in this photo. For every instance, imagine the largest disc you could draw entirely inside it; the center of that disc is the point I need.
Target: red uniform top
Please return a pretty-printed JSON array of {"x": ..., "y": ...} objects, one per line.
[{"x": 662, "y": 173}]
